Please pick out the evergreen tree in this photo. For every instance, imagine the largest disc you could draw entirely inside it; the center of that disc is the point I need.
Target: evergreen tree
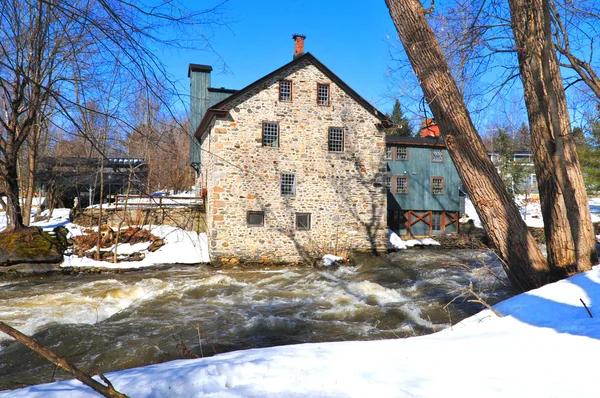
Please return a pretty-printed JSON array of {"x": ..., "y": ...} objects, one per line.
[
  {"x": 588, "y": 150},
  {"x": 401, "y": 124},
  {"x": 523, "y": 138},
  {"x": 513, "y": 174}
]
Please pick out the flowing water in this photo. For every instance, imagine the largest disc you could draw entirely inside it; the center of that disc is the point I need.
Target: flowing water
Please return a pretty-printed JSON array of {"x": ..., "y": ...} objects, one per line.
[{"x": 116, "y": 321}]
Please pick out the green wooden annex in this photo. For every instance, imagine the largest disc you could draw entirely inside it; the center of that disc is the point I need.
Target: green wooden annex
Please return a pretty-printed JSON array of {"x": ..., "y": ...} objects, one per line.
[{"x": 423, "y": 187}]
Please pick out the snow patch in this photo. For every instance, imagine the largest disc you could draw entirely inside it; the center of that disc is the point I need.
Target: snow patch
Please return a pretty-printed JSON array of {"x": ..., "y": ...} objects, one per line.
[
  {"x": 330, "y": 259},
  {"x": 396, "y": 242}
]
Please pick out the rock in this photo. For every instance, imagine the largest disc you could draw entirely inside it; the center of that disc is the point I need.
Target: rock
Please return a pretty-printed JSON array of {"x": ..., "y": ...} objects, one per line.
[
  {"x": 27, "y": 270},
  {"x": 29, "y": 245},
  {"x": 157, "y": 244},
  {"x": 61, "y": 234},
  {"x": 107, "y": 234},
  {"x": 137, "y": 256}
]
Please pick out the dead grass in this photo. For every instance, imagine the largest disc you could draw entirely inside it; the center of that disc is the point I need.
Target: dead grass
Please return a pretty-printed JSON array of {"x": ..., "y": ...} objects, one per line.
[{"x": 131, "y": 235}]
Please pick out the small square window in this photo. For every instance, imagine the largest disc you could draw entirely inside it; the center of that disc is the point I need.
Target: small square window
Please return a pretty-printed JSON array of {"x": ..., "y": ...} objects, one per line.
[
  {"x": 303, "y": 221},
  {"x": 437, "y": 155},
  {"x": 402, "y": 153},
  {"x": 335, "y": 142},
  {"x": 288, "y": 184},
  {"x": 437, "y": 185},
  {"x": 322, "y": 94},
  {"x": 285, "y": 90},
  {"x": 402, "y": 184},
  {"x": 255, "y": 218},
  {"x": 270, "y": 136},
  {"x": 388, "y": 153}
]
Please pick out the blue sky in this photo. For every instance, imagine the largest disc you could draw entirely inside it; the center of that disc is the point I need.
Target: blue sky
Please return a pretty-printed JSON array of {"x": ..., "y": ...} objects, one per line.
[
  {"x": 355, "y": 39},
  {"x": 350, "y": 37}
]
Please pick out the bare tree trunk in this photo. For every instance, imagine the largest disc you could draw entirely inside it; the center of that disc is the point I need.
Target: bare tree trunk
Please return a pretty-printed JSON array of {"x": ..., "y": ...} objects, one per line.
[
  {"x": 524, "y": 263},
  {"x": 562, "y": 191},
  {"x": 107, "y": 391},
  {"x": 13, "y": 206},
  {"x": 99, "y": 241},
  {"x": 118, "y": 234},
  {"x": 31, "y": 168}
]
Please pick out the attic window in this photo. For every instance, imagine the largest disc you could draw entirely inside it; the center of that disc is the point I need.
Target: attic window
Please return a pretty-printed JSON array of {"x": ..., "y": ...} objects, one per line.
[
  {"x": 285, "y": 90},
  {"x": 323, "y": 94},
  {"x": 437, "y": 156},
  {"x": 402, "y": 153},
  {"x": 270, "y": 135},
  {"x": 335, "y": 141}
]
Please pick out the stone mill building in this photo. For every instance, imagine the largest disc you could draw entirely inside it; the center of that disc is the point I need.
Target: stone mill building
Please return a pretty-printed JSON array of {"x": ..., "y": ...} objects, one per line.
[{"x": 292, "y": 166}]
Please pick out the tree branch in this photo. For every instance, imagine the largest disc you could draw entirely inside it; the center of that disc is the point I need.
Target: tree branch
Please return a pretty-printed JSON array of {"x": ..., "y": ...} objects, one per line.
[{"x": 107, "y": 391}]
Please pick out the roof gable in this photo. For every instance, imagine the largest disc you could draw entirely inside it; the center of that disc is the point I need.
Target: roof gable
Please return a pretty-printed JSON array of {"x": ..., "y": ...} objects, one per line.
[{"x": 221, "y": 107}]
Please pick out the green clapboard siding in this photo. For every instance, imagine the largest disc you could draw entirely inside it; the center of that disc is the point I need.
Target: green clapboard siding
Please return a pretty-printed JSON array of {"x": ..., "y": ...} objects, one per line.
[
  {"x": 199, "y": 103},
  {"x": 419, "y": 170},
  {"x": 200, "y": 100}
]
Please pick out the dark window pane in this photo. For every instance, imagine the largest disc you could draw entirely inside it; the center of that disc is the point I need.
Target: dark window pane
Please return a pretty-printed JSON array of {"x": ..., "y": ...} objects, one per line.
[
  {"x": 303, "y": 221},
  {"x": 255, "y": 218}
]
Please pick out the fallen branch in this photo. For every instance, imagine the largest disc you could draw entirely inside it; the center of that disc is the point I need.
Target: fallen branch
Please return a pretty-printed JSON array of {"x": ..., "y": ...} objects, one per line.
[
  {"x": 586, "y": 308},
  {"x": 467, "y": 292},
  {"x": 107, "y": 391}
]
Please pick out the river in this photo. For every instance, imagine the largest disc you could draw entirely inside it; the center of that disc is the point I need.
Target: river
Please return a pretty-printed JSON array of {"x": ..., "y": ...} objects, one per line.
[{"x": 115, "y": 321}]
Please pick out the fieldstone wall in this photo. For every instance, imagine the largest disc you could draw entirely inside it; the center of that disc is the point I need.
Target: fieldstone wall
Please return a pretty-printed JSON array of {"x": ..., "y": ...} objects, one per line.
[{"x": 343, "y": 192}]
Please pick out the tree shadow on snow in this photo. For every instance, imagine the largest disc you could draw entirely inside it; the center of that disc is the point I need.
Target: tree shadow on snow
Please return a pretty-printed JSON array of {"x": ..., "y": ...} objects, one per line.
[{"x": 567, "y": 316}]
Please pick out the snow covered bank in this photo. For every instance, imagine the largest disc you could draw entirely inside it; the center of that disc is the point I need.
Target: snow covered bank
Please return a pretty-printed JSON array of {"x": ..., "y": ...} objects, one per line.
[
  {"x": 396, "y": 242},
  {"x": 544, "y": 346},
  {"x": 181, "y": 246},
  {"x": 530, "y": 212}
]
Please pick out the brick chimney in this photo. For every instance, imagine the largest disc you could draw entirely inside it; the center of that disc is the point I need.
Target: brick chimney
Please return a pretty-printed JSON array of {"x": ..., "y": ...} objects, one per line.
[{"x": 298, "y": 45}]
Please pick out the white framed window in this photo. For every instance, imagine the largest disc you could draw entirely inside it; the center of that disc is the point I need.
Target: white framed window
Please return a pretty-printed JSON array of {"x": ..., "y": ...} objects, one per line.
[
  {"x": 255, "y": 218},
  {"x": 388, "y": 153},
  {"x": 437, "y": 155},
  {"x": 533, "y": 180},
  {"x": 437, "y": 185},
  {"x": 285, "y": 90},
  {"x": 323, "y": 94},
  {"x": 335, "y": 141},
  {"x": 288, "y": 184},
  {"x": 402, "y": 153},
  {"x": 402, "y": 185},
  {"x": 303, "y": 221},
  {"x": 270, "y": 135}
]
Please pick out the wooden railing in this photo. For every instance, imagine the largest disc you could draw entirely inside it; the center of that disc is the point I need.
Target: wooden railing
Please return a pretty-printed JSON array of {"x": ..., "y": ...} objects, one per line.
[{"x": 137, "y": 201}]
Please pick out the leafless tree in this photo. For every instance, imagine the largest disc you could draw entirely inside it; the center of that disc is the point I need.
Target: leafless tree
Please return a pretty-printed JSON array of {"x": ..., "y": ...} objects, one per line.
[
  {"x": 525, "y": 265},
  {"x": 52, "y": 50},
  {"x": 563, "y": 197},
  {"x": 576, "y": 30}
]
